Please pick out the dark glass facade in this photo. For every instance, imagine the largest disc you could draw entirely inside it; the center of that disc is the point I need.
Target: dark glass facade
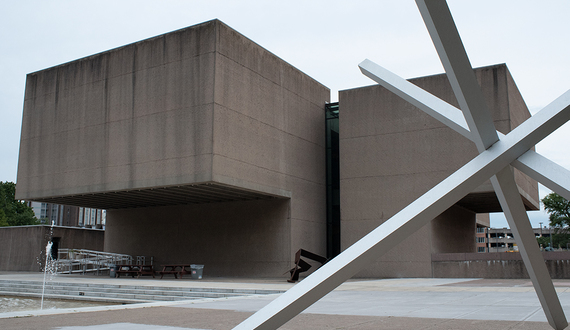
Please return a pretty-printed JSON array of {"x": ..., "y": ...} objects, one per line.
[{"x": 333, "y": 179}]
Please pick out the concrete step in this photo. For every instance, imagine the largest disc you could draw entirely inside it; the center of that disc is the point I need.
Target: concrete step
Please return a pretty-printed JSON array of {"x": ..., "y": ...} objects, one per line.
[
  {"x": 153, "y": 295},
  {"x": 121, "y": 288},
  {"x": 93, "y": 290},
  {"x": 119, "y": 293},
  {"x": 116, "y": 299}
]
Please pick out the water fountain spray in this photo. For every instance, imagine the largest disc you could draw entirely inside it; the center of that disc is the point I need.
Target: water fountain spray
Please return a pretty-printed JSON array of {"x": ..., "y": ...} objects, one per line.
[{"x": 49, "y": 261}]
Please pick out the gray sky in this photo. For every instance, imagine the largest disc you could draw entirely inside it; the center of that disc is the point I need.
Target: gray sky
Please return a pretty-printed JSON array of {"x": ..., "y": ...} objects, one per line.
[{"x": 324, "y": 39}]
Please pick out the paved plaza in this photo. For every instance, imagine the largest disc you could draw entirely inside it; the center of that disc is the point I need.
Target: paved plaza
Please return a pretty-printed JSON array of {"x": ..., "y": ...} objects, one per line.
[{"x": 357, "y": 304}]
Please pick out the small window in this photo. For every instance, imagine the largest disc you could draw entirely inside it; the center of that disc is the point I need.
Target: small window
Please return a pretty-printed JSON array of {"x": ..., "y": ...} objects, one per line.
[
  {"x": 481, "y": 249},
  {"x": 480, "y": 239}
]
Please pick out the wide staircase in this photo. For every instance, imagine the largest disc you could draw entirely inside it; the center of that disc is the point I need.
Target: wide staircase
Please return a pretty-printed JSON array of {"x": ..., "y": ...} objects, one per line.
[{"x": 119, "y": 293}]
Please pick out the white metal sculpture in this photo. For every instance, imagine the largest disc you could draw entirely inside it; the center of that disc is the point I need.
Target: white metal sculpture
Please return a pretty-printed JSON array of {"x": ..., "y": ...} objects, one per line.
[{"x": 497, "y": 153}]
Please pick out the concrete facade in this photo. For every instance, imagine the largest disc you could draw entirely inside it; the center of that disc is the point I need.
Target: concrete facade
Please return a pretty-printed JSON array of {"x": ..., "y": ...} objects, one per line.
[
  {"x": 392, "y": 153},
  {"x": 205, "y": 148},
  {"x": 23, "y": 248},
  {"x": 250, "y": 238},
  {"x": 183, "y": 138}
]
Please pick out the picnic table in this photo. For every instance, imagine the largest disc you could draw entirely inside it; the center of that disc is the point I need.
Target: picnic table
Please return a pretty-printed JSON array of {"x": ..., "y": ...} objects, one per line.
[
  {"x": 175, "y": 269},
  {"x": 138, "y": 270},
  {"x": 145, "y": 270}
]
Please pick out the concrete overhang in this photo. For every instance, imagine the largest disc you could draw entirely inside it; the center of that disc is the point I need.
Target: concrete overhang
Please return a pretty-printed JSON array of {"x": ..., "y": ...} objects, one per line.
[
  {"x": 487, "y": 202},
  {"x": 198, "y": 115},
  {"x": 201, "y": 193}
]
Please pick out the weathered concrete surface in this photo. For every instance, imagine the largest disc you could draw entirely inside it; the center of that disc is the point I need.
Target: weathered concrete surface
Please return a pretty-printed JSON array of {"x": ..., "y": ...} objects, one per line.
[
  {"x": 269, "y": 131},
  {"x": 196, "y": 106},
  {"x": 110, "y": 121},
  {"x": 392, "y": 153},
  {"x": 368, "y": 304},
  {"x": 23, "y": 248},
  {"x": 249, "y": 238},
  {"x": 173, "y": 318},
  {"x": 496, "y": 265},
  {"x": 171, "y": 110}
]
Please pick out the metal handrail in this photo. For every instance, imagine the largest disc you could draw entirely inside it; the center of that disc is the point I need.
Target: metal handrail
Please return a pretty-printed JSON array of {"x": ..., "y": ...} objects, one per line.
[{"x": 82, "y": 261}]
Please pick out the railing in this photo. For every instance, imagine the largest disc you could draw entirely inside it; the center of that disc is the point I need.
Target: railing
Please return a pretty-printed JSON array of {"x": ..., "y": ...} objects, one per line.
[
  {"x": 82, "y": 261},
  {"x": 142, "y": 260}
]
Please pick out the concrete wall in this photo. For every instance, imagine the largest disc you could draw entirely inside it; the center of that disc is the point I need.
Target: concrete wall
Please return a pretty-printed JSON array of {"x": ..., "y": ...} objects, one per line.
[
  {"x": 453, "y": 230},
  {"x": 250, "y": 238},
  {"x": 23, "y": 248},
  {"x": 496, "y": 265},
  {"x": 269, "y": 132},
  {"x": 392, "y": 153},
  {"x": 136, "y": 116},
  {"x": 196, "y": 106}
]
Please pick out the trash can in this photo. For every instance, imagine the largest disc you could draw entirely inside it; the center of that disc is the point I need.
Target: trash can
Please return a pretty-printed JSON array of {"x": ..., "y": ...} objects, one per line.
[
  {"x": 112, "y": 271},
  {"x": 197, "y": 271}
]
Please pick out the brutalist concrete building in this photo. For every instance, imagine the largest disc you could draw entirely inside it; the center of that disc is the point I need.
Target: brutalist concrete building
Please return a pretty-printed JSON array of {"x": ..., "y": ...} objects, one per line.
[
  {"x": 205, "y": 148},
  {"x": 392, "y": 153}
]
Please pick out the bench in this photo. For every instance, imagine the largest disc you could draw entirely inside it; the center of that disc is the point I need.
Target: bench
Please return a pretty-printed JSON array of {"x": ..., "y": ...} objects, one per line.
[
  {"x": 176, "y": 270},
  {"x": 127, "y": 270},
  {"x": 145, "y": 270},
  {"x": 132, "y": 270}
]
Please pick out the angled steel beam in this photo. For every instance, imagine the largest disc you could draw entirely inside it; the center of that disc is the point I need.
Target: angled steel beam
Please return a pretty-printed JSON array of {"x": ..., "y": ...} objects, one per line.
[
  {"x": 408, "y": 220},
  {"x": 508, "y": 195},
  {"x": 536, "y": 166},
  {"x": 493, "y": 161},
  {"x": 449, "y": 46},
  {"x": 418, "y": 97},
  {"x": 445, "y": 36},
  {"x": 545, "y": 171}
]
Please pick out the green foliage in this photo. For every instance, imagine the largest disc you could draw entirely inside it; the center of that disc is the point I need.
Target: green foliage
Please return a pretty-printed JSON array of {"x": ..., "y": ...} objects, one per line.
[
  {"x": 13, "y": 212},
  {"x": 543, "y": 241},
  {"x": 3, "y": 219},
  {"x": 558, "y": 209},
  {"x": 558, "y": 239}
]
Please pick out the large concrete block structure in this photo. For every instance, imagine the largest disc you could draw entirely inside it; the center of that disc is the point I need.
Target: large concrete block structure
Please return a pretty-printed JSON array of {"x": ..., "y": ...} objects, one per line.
[
  {"x": 391, "y": 153},
  {"x": 202, "y": 146},
  {"x": 205, "y": 148}
]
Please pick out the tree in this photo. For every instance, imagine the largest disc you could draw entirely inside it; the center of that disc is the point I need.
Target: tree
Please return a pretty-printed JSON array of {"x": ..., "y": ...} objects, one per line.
[
  {"x": 558, "y": 209},
  {"x": 13, "y": 212},
  {"x": 3, "y": 219}
]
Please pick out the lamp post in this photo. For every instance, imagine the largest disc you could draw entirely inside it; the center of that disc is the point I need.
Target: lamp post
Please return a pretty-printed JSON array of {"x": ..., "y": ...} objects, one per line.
[{"x": 488, "y": 236}]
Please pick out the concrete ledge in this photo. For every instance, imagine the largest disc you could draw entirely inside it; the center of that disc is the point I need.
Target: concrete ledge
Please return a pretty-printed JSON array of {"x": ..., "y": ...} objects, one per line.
[
  {"x": 496, "y": 265},
  {"x": 554, "y": 255}
]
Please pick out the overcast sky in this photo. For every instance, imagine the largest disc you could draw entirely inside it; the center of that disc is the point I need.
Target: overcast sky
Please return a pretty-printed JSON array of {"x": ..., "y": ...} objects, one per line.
[{"x": 324, "y": 39}]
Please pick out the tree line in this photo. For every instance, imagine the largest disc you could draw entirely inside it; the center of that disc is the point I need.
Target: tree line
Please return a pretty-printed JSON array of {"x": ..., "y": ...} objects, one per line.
[
  {"x": 558, "y": 209},
  {"x": 12, "y": 211}
]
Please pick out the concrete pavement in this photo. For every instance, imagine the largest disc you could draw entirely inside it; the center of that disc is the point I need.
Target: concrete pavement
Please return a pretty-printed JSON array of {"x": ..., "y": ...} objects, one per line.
[{"x": 357, "y": 304}]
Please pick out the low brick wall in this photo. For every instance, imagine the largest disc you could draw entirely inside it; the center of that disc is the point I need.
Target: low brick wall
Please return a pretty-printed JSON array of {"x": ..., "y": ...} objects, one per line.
[{"x": 496, "y": 265}]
